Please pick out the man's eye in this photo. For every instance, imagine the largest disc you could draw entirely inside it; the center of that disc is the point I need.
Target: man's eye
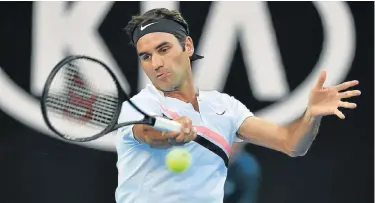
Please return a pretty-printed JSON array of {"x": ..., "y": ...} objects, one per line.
[
  {"x": 146, "y": 57},
  {"x": 163, "y": 50}
]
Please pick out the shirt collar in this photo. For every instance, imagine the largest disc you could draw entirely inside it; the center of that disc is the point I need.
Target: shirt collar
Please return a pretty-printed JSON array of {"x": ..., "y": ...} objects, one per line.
[{"x": 161, "y": 93}]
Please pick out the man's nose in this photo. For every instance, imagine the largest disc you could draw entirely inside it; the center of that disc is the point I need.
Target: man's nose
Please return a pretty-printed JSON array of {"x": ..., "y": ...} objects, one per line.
[{"x": 157, "y": 62}]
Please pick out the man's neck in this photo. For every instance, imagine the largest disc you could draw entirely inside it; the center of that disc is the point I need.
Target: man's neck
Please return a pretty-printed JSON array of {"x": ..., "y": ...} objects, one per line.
[{"x": 186, "y": 92}]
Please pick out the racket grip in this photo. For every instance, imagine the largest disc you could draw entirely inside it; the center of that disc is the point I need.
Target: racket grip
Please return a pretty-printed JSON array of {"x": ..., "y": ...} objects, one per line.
[{"x": 164, "y": 124}]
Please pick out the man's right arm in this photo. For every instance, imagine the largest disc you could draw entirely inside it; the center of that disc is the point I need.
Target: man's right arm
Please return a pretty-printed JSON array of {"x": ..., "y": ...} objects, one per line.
[
  {"x": 157, "y": 139},
  {"x": 146, "y": 134}
]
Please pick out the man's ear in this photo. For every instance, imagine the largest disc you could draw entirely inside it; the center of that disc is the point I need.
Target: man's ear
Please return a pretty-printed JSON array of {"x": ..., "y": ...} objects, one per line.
[{"x": 189, "y": 46}]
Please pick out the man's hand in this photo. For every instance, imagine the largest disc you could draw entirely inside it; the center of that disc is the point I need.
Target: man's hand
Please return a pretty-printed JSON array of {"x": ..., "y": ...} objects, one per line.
[
  {"x": 158, "y": 139},
  {"x": 187, "y": 133},
  {"x": 326, "y": 100}
]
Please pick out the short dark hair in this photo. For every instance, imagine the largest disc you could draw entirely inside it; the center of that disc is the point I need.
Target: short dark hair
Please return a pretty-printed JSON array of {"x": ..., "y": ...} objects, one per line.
[{"x": 157, "y": 14}]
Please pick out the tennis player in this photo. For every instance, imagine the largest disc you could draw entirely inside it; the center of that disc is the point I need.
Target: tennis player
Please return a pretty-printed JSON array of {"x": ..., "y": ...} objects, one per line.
[{"x": 211, "y": 120}]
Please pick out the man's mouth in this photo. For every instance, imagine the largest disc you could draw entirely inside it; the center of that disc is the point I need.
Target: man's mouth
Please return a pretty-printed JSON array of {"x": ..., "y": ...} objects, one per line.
[{"x": 162, "y": 75}]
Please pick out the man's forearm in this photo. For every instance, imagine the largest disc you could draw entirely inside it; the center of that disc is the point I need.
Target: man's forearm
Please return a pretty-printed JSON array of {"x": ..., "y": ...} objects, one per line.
[
  {"x": 148, "y": 135},
  {"x": 302, "y": 133}
]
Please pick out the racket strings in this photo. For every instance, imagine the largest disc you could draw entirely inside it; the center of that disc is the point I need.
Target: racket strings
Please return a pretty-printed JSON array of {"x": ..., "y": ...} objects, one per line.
[
  {"x": 96, "y": 120},
  {"x": 104, "y": 99},
  {"x": 60, "y": 101},
  {"x": 78, "y": 99},
  {"x": 72, "y": 76}
]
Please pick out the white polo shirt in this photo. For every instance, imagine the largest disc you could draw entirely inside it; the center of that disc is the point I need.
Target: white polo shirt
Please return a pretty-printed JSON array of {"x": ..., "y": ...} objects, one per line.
[{"x": 143, "y": 176}]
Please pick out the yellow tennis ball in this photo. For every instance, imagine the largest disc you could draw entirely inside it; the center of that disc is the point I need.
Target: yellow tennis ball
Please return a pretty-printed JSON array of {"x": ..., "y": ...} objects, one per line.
[{"x": 178, "y": 160}]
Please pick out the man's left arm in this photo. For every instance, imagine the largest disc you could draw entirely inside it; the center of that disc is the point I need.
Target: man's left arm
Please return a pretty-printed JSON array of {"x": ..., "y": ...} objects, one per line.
[
  {"x": 293, "y": 139},
  {"x": 296, "y": 138}
]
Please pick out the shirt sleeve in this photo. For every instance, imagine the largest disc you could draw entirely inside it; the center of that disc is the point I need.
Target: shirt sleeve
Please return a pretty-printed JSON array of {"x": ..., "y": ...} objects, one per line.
[
  {"x": 128, "y": 113},
  {"x": 241, "y": 113}
]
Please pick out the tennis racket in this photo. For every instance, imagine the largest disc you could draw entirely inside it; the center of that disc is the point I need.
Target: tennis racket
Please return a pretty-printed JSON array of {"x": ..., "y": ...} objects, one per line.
[{"x": 82, "y": 100}]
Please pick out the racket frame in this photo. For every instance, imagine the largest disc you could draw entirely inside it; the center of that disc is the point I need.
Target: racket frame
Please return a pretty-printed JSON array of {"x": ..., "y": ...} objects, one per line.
[
  {"x": 159, "y": 123},
  {"x": 50, "y": 78}
]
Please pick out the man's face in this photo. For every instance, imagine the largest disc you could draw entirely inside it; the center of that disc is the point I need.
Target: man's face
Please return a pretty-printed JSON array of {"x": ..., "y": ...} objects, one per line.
[{"x": 163, "y": 60}]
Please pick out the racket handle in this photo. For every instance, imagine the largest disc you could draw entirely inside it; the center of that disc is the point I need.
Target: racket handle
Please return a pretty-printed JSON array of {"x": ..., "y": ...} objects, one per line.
[{"x": 164, "y": 124}]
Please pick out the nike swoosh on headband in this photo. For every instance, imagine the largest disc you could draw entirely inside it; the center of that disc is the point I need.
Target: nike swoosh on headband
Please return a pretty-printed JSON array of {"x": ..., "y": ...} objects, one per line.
[{"x": 144, "y": 27}]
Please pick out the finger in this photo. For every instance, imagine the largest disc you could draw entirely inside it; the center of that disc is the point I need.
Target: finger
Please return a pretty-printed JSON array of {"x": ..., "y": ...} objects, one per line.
[
  {"x": 347, "y": 85},
  {"x": 348, "y": 105},
  {"x": 321, "y": 79},
  {"x": 171, "y": 135},
  {"x": 157, "y": 136},
  {"x": 183, "y": 120},
  {"x": 191, "y": 136},
  {"x": 349, "y": 94},
  {"x": 339, "y": 114},
  {"x": 181, "y": 137},
  {"x": 175, "y": 142},
  {"x": 186, "y": 126}
]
